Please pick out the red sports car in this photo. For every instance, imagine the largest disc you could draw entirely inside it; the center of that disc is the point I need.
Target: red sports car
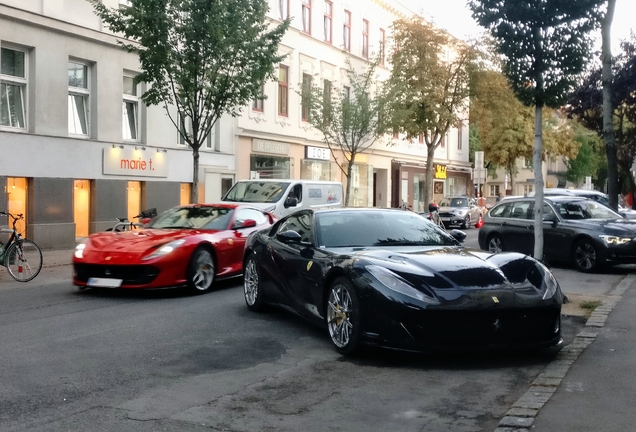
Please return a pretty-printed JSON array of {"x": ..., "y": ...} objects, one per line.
[{"x": 185, "y": 246}]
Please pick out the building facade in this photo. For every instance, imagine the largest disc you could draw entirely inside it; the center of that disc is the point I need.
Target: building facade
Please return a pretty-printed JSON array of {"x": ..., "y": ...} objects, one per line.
[{"x": 80, "y": 149}]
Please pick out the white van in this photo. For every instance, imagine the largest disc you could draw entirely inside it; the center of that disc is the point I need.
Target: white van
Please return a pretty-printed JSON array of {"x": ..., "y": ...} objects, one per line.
[{"x": 282, "y": 197}]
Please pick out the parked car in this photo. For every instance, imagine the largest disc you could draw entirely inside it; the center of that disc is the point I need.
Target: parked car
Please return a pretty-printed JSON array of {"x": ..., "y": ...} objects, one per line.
[
  {"x": 578, "y": 230},
  {"x": 391, "y": 278},
  {"x": 591, "y": 194},
  {"x": 459, "y": 210},
  {"x": 187, "y": 246}
]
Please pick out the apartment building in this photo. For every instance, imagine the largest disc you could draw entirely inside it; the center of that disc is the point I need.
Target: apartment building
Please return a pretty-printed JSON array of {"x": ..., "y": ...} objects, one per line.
[{"x": 80, "y": 149}]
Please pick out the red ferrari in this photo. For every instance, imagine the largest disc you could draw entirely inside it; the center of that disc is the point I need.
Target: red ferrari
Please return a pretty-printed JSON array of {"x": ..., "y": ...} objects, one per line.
[{"x": 187, "y": 246}]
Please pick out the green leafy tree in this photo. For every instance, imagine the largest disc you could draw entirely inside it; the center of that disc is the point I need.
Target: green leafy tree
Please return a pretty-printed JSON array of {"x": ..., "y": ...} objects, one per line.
[
  {"x": 586, "y": 162},
  {"x": 545, "y": 45},
  {"x": 427, "y": 92},
  {"x": 202, "y": 58},
  {"x": 348, "y": 115}
]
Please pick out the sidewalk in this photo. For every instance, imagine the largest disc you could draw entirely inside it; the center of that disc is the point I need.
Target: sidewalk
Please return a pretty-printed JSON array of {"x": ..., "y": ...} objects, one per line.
[
  {"x": 54, "y": 258},
  {"x": 590, "y": 385}
]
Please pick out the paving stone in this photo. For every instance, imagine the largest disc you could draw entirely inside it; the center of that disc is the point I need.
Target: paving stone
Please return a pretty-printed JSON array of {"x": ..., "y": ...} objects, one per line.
[
  {"x": 524, "y": 422},
  {"x": 522, "y": 412},
  {"x": 543, "y": 380}
]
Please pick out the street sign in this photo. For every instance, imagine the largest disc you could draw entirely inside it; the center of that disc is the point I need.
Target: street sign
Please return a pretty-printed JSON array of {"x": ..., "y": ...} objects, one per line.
[{"x": 479, "y": 175}]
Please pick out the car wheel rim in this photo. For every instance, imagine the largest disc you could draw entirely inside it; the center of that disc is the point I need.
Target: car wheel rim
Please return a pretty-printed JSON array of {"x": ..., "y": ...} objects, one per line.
[
  {"x": 204, "y": 271},
  {"x": 585, "y": 256},
  {"x": 339, "y": 316},
  {"x": 250, "y": 283},
  {"x": 494, "y": 245}
]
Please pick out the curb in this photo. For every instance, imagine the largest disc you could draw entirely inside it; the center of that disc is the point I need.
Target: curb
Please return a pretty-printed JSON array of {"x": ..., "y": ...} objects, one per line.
[{"x": 521, "y": 416}]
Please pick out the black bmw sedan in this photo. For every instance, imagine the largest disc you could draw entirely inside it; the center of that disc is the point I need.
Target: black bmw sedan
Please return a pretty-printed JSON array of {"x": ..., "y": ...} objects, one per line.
[
  {"x": 577, "y": 230},
  {"x": 392, "y": 278}
]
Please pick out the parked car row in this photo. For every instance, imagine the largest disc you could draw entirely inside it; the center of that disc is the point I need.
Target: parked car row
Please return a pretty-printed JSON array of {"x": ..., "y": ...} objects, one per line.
[{"x": 376, "y": 277}]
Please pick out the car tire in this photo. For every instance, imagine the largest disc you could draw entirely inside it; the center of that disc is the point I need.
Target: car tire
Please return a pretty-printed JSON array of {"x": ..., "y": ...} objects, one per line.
[
  {"x": 586, "y": 256},
  {"x": 343, "y": 316},
  {"x": 466, "y": 222},
  {"x": 252, "y": 289},
  {"x": 495, "y": 243},
  {"x": 201, "y": 271}
]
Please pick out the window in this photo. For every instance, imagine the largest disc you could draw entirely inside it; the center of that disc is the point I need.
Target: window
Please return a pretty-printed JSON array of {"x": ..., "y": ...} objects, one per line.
[
  {"x": 283, "y": 90},
  {"x": 305, "y": 103},
  {"x": 527, "y": 189},
  {"x": 365, "y": 38},
  {"x": 494, "y": 190},
  {"x": 459, "y": 136},
  {"x": 326, "y": 96},
  {"x": 382, "y": 46},
  {"x": 258, "y": 104},
  {"x": 346, "y": 93},
  {"x": 130, "y": 120},
  {"x": 327, "y": 19},
  {"x": 283, "y": 9},
  {"x": 346, "y": 31},
  {"x": 13, "y": 88},
  {"x": 77, "y": 98},
  {"x": 527, "y": 163},
  {"x": 306, "y": 16}
]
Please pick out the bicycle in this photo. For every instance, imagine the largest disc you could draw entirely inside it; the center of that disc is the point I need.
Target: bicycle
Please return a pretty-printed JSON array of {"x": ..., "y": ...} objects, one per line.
[
  {"x": 434, "y": 216},
  {"x": 123, "y": 224},
  {"x": 22, "y": 257}
]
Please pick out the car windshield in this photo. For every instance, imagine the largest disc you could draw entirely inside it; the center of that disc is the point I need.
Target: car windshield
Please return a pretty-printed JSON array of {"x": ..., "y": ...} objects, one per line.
[
  {"x": 256, "y": 192},
  {"x": 378, "y": 228},
  {"x": 197, "y": 217},
  {"x": 454, "y": 202},
  {"x": 584, "y": 209}
]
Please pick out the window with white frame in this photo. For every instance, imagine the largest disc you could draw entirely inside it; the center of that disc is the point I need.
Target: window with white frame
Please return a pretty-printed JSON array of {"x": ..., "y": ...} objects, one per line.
[
  {"x": 494, "y": 190},
  {"x": 346, "y": 31},
  {"x": 305, "y": 107},
  {"x": 365, "y": 38},
  {"x": 306, "y": 15},
  {"x": 258, "y": 104},
  {"x": 527, "y": 189},
  {"x": 130, "y": 117},
  {"x": 283, "y": 9},
  {"x": 13, "y": 84},
  {"x": 283, "y": 90},
  {"x": 78, "y": 92},
  {"x": 327, "y": 20}
]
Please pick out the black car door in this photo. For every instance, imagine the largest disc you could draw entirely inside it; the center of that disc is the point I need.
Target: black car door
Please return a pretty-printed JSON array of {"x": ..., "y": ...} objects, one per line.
[
  {"x": 293, "y": 260},
  {"x": 518, "y": 236}
]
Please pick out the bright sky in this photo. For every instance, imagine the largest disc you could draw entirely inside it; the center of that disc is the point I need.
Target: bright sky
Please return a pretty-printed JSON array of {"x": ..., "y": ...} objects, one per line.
[{"x": 455, "y": 17}]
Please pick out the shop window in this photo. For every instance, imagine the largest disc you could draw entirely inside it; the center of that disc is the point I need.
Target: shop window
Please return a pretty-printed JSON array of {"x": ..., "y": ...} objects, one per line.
[
  {"x": 134, "y": 200},
  {"x": 184, "y": 195},
  {"x": 81, "y": 207},
  {"x": 268, "y": 167},
  {"x": 17, "y": 200}
]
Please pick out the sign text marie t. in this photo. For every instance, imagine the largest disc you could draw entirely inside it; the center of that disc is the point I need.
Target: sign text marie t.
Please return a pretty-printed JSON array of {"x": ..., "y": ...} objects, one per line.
[{"x": 139, "y": 163}]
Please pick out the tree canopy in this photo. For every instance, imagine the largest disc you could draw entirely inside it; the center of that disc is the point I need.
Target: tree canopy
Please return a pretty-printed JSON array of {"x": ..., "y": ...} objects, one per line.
[
  {"x": 427, "y": 92},
  {"x": 202, "y": 58}
]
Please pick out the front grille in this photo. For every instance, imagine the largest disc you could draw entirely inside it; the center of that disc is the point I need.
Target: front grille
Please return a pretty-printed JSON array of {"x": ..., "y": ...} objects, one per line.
[
  {"x": 130, "y": 274},
  {"x": 484, "y": 327},
  {"x": 446, "y": 214}
]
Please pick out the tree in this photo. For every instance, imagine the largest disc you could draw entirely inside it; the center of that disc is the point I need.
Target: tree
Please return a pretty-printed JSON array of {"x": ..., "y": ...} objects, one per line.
[
  {"x": 204, "y": 58},
  {"x": 348, "y": 118},
  {"x": 427, "y": 92},
  {"x": 545, "y": 46},
  {"x": 586, "y": 162},
  {"x": 586, "y": 104},
  {"x": 505, "y": 125},
  {"x": 608, "y": 126}
]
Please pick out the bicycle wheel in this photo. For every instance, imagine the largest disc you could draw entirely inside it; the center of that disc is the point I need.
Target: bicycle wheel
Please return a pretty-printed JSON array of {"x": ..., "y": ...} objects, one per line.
[{"x": 23, "y": 260}]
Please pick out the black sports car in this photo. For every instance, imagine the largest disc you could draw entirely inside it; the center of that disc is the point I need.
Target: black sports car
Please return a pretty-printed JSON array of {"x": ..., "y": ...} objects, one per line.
[{"x": 391, "y": 278}]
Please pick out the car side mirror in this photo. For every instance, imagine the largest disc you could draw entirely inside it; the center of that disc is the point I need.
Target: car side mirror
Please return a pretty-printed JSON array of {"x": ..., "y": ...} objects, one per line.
[
  {"x": 458, "y": 235},
  {"x": 550, "y": 218},
  {"x": 288, "y": 236},
  {"x": 291, "y": 202},
  {"x": 247, "y": 223}
]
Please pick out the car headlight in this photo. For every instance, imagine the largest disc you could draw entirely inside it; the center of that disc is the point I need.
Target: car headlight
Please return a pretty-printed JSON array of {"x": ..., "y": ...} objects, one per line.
[
  {"x": 396, "y": 283},
  {"x": 461, "y": 212},
  {"x": 165, "y": 249},
  {"x": 615, "y": 240},
  {"x": 79, "y": 249}
]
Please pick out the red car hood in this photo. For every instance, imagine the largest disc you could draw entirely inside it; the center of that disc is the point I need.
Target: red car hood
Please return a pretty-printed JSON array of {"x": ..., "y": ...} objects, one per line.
[{"x": 137, "y": 241}]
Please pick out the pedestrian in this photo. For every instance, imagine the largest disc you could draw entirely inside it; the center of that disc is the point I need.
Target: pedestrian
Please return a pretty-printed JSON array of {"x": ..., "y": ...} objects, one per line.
[{"x": 499, "y": 196}]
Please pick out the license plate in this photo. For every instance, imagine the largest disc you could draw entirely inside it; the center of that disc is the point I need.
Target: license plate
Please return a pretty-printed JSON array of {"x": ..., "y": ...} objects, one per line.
[
  {"x": 104, "y": 282},
  {"x": 445, "y": 219}
]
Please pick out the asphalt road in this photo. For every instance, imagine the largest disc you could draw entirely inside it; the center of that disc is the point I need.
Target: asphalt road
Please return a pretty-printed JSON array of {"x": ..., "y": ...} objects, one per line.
[{"x": 151, "y": 361}]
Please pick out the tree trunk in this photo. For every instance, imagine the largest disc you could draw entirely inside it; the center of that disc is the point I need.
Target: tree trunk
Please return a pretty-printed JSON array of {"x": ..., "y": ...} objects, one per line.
[
  {"x": 349, "y": 182},
  {"x": 430, "y": 156},
  {"x": 608, "y": 126},
  {"x": 538, "y": 182},
  {"x": 194, "y": 192}
]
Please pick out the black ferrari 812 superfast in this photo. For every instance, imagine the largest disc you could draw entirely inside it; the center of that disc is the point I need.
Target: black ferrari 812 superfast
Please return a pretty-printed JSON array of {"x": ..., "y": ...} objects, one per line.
[{"x": 391, "y": 278}]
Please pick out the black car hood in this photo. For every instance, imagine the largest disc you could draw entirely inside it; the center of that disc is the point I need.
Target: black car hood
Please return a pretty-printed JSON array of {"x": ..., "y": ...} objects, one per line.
[
  {"x": 441, "y": 267},
  {"x": 613, "y": 226}
]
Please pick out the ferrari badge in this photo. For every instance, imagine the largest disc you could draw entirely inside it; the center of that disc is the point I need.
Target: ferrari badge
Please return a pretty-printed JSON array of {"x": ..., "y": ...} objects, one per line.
[
  {"x": 495, "y": 299},
  {"x": 309, "y": 265}
]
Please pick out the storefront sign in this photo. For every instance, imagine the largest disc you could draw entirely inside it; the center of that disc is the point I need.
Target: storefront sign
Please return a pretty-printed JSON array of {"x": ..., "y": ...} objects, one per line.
[
  {"x": 130, "y": 162},
  {"x": 317, "y": 153},
  {"x": 263, "y": 146},
  {"x": 440, "y": 171},
  {"x": 360, "y": 158}
]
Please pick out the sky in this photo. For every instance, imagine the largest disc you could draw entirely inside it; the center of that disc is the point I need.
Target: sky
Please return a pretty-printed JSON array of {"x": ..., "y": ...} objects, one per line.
[{"x": 455, "y": 17}]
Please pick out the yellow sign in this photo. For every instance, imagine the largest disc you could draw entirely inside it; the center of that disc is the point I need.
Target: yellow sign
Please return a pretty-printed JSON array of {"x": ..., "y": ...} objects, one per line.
[
  {"x": 360, "y": 157},
  {"x": 309, "y": 265},
  {"x": 495, "y": 299},
  {"x": 440, "y": 171}
]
